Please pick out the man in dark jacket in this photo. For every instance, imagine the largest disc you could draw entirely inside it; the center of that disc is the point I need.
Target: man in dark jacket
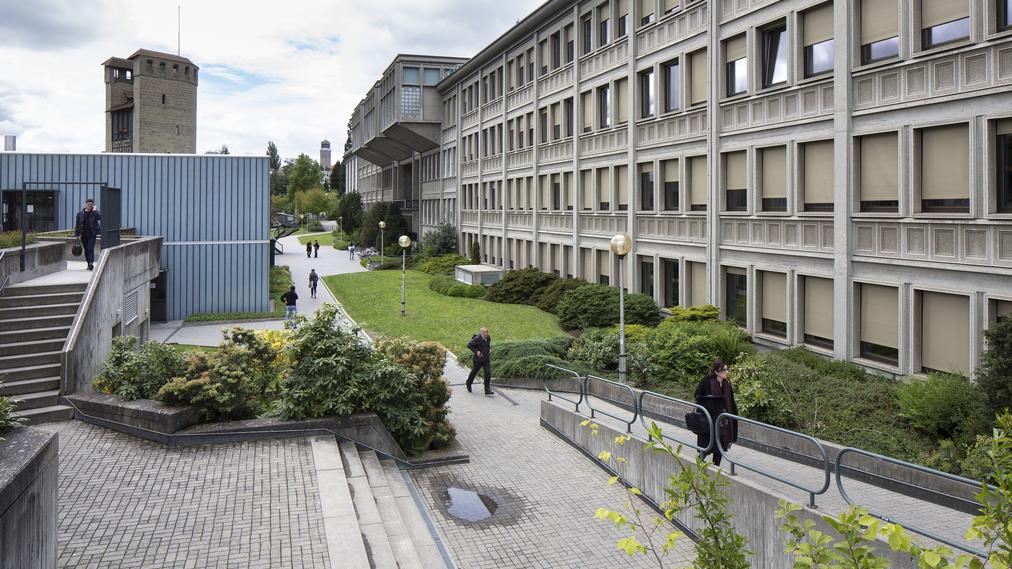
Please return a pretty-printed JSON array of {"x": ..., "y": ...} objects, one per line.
[
  {"x": 481, "y": 347},
  {"x": 289, "y": 298},
  {"x": 87, "y": 228}
]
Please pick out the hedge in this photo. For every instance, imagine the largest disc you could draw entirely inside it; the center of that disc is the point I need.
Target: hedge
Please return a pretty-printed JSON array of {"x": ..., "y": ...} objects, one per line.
[{"x": 596, "y": 306}]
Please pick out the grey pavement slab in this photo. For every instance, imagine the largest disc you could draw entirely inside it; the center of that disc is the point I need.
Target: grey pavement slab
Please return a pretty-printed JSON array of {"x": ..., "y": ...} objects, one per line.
[{"x": 76, "y": 272}]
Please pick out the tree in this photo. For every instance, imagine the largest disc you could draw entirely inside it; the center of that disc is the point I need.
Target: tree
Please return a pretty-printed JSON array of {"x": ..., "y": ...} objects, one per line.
[
  {"x": 397, "y": 225},
  {"x": 315, "y": 201},
  {"x": 350, "y": 211},
  {"x": 441, "y": 240},
  {"x": 337, "y": 178},
  {"x": 305, "y": 175},
  {"x": 275, "y": 158},
  {"x": 994, "y": 376}
]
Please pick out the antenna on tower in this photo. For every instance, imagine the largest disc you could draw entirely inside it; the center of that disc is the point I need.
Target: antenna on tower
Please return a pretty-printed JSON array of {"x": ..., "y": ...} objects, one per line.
[{"x": 178, "y": 34}]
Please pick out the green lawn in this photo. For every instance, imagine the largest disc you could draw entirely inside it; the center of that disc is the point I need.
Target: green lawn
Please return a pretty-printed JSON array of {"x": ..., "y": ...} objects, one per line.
[
  {"x": 183, "y": 348},
  {"x": 373, "y": 299},
  {"x": 324, "y": 239}
]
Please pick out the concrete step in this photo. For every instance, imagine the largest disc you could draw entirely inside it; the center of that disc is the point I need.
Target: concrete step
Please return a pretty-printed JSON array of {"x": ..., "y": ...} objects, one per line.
[
  {"x": 397, "y": 531},
  {"x": 340, "y": 524},
  {"x": 418, "y": 530},
  {"x": 36, "y": 400},
  {"x": 381, "y": 556},
  {"x": 41, "y": 299},
  {"x": 46, "y": 414},
  {"x": 35, "y": 334},
  {"x": 31, "y": 372},
  {"x": 32, "y": 347},
  {"x": 39, "y": 310},
  {"x": 30, "y": 385},
  {"x": 15, "y": 324},
  {"x": 23, "y": 360},
  {"x": 33, "y": 290}
]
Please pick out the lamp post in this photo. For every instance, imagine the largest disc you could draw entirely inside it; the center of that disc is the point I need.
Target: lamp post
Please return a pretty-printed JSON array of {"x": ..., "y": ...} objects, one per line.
[
  {"x": 621, "y": 244},
  {"x": 404, "y": 242},
  {"x": 383, "y": 225},
  {"x": 340, "y": 224}
]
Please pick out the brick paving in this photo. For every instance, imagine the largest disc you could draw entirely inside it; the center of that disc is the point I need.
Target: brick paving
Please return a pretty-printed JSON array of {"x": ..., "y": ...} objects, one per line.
[{"x": 128, "y": 503}]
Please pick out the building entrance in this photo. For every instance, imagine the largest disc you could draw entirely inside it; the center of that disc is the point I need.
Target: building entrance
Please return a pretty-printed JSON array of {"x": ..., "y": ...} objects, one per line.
[{"x": 41, "y": 210}]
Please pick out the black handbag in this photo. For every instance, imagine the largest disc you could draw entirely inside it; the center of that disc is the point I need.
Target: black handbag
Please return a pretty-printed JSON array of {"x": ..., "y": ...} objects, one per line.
[
  {"x": 697, "y": 423},
  {"x": 76, "y": 250}
]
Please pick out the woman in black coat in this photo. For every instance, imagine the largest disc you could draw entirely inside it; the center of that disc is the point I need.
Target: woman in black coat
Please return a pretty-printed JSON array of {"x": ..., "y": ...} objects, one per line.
[{"x": 714, "y": 392}]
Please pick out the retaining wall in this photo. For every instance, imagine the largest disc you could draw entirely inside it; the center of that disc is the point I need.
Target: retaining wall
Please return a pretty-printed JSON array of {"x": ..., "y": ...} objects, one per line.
[{"x": 28, "y": 485}]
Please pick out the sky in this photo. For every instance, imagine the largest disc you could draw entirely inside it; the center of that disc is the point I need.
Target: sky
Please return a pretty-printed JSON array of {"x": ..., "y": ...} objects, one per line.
[{"x": 291, "y": 72}]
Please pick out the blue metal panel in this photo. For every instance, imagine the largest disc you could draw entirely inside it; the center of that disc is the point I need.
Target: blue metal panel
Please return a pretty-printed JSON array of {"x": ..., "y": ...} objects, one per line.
[{"x": 212, "y": 211}]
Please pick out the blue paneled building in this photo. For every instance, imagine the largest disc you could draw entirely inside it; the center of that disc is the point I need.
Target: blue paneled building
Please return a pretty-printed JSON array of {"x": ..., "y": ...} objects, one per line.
[{"x": 212, "y": 211}]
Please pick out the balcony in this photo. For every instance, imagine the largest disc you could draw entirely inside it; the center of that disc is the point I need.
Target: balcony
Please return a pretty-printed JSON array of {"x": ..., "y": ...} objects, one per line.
[
  {"x": 469, "y": 169},
  {"x": 491, "y": 218}
]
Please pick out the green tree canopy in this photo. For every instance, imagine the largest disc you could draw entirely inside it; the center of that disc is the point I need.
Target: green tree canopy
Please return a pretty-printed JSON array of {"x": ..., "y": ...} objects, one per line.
[
  {"x": 315, "y": 201},
  {"x": 397, "y": 225},
  {"x": 275, "y": 158},
  {"x": 337, "y": 178},
  {"x": 350, "y": 210},
  {"x": 305, "y": 175}
]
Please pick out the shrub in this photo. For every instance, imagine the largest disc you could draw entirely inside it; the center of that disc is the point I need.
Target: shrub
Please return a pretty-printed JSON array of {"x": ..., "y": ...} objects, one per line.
[
  {"x": 536, "y": 367},
  {"x": 378, "y": 261},
  {"x": 945, "y": 406},
  {"x": 994, "y": 376},
  {"x": 506, "y": 351},
  {"x": 760, "y": 393},
  {"x": 314, "y": 226},
  {"x": 441, "y": 285},
  {"x": 522, "y": 286},
  {"x": 695, "y": 313},
  {"x": 475, "y": 254},
  {"x": 672, "y": 358},
  {"x": 596, "y": 306},
  {"x": 467, "y": 291},
  {"x": 137, "y": 374},
  {"x": 597, "y": 347},
  {"x": 7, "y": 418},
  {"x": 440, "y": 241},
  {"x": 10, "y": 239},
  {"x": 341, "y": 245},
  {"x": 825, "y": 366},
  {"x": 442, "y": 265},
  {"x": 553, "y": 293},
  {"x": 426, "y": 360}
]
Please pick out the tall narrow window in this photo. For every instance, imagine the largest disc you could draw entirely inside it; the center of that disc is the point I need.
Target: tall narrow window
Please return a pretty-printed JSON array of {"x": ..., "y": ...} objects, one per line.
[
  {"x": 543, "y": 125},
  {"x": 671, "y": 85},
  {"x": 604, "y": 106},
  {"x": 520, "y": 70},
  {"x": 603, "y": 25},
  {"x": 587, "y": 25},
  {"x": 735, "y": 182},
  {"x": 817, "y": 179},
  {"x": 603, "y": 268},
  {"x": 604, "y": 189},
  {"x": 556, "y": 50},
  {"x": 818, "y": 316},
  {"x": 879, "y": 164},
  {"x": 622, "y": 19},
  {"x": 697, "y": 79},
  {"x": 736, "y": 295},
  {"x": 568, "y": 107},
  {"x": 1004, "y": 14},
  {"x": 879, "y": 30},
  {"x": 647, "y": 186},
  {"x": 556, "y": 192},
  {"x": 647, "y": 11},
  {"x": 669, "y": 6},
  {"x": 622, "y": 185},
  {"x": 543, "y": 56},
  {"x": 818, "y": 40},
  {"x": 622, "y": 100},
  {"x": 774, "y": 178},
  {"x": 774, "y": 308},
  {"x": 647, "y": 93},
  {"x": 669, "y": 171},
  {"x": 586, "y": 190},
  {"x": 737, "y": 65},
  {"x": 774, "y": 55},
  {"x": 567, "y": 39},
  {"x": 669, "y": 282},
  {"x": 945, "y": 169},
  {"x": 697, "y": 283},
  {"x": 697, "y": 183},
  {"x": 530, "y": 64},
  {"x": 587, "y": 110},
  {"x": 879, "y": 323},
  {"x": 944, "y": 21},
  {"x": 945, "y": 333},
  {"x": 646, "y": 275},
  {"x": 1003, "y": 163},
  {"x": 557, "y": 121}
]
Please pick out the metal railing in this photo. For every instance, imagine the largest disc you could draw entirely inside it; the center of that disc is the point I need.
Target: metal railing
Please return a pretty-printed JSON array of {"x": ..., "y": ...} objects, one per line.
[
  {"x": 926, "y": 533},
  {"x": 643, "y": 413},
  {"x": 826, "y": 464},
  {"x": 3, "y": 283},
  {"x": 579, "y": 384},
  {"x": 617, "y": 385}
]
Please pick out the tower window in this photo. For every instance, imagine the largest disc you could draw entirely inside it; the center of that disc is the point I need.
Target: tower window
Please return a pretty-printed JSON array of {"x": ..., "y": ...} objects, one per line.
[
  {"x": 163, "y": 98},
  {"x": 177, "y": 130}
]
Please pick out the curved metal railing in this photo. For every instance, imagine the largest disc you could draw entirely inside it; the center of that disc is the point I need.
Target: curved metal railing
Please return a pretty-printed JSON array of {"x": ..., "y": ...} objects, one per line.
[
  {"x": 619, "y": 386},
  {"x": 579, "y": 384},
  {"x": 919, "y": 530},
  {"x": 673, "y": 420}
]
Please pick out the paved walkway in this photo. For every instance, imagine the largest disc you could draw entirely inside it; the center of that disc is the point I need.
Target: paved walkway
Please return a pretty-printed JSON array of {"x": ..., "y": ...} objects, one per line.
[{"x": 76, "y": 272}]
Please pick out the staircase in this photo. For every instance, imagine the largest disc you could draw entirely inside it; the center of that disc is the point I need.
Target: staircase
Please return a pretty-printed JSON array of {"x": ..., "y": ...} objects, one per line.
[
  {"x": 370, "y": 518},
  {"x": 34, "y": 323}
]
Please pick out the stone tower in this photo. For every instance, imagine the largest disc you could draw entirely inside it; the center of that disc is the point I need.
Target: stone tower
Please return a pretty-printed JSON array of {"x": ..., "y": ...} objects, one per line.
[
  {"x": 325, "y": 163},
  {"x": 151, "y": 103}
]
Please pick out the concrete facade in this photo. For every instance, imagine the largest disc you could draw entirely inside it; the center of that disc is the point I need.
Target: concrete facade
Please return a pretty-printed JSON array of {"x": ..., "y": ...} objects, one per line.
[
  {"x": 28, "y": 482},
  {"x": 151, "y": 103},
  {"x": 739, "y": 174}
]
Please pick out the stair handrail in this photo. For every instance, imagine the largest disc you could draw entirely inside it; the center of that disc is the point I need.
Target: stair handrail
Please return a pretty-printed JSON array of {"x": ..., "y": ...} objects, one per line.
[
  {"x": 709, "y": 420},
  {"x": 632, "y": 396},
  {"x": 579, "y": 383},
  {"x": 3, "y": 283}
]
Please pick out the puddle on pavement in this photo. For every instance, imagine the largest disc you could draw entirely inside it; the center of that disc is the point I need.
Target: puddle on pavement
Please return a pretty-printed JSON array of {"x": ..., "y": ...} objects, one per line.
[{"x": 469, "y": 505}]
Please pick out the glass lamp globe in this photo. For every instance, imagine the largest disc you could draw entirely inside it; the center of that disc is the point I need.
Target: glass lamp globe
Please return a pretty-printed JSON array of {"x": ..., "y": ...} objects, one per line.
[
  {"x": 621, "y": 244},
  {"x": 404, "y": 241}
]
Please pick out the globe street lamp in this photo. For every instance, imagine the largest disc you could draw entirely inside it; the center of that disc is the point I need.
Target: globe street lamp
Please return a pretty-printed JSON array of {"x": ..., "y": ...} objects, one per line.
[
  {"x": 620, "y": 245},
  {"x": 383, "y": 225},
  {"x": 340, "y": 224},
  {"x": 404, "y": 242}
]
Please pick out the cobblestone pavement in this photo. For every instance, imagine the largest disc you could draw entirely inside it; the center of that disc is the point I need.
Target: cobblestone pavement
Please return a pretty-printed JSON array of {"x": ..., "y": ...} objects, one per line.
[
  {"x": 546, "y": 491},
  {"x": 127, "y": 503}
]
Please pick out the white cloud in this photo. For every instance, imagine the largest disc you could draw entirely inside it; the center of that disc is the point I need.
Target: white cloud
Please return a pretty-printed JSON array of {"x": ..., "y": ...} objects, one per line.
[{"x": 289, "y": 72}]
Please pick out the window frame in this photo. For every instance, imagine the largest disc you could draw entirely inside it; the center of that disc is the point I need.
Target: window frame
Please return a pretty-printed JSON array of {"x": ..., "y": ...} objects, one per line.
[
  {"x": 809, "y": 59},
  {"x": 928, "y": 44},
  {"x": 648, "y": 97},
  {"x": 768, "y": 70},
  {"x": 669, "y": 67},
  {"x": 1003, "y": 184}
]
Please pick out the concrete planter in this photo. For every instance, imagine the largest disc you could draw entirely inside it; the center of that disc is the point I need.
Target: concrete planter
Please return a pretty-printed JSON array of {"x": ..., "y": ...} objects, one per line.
[
  {"x": 28, "y": 485},
  {"x": 142, "y": 413}
]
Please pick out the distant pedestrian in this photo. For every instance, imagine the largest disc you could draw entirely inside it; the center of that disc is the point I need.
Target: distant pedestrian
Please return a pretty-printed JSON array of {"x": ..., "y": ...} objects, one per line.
[
  {"x": 87, "y": 228},
  {"x": 316, "y": 248},
  {"x": 715, "y": 394},
  {"x": 351, "y": 251},
  {"x": 313, "y": 280},
  {"x": 309, "y": 249},
  {"x": 481, "y": 347},
  {"x": 289, "y": 298}
]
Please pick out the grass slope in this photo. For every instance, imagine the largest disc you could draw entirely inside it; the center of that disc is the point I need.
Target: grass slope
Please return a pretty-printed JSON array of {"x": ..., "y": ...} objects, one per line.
[
  {"x": 373, "y": 299},
  {"x": 323, "y": 238}
]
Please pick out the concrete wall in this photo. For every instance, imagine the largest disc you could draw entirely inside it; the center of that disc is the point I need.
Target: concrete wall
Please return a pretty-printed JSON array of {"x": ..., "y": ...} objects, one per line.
[
  {"x": 28, "y": 492},
  {"x": 120, "y": 272},
  {"x": 40, "y": 259}
]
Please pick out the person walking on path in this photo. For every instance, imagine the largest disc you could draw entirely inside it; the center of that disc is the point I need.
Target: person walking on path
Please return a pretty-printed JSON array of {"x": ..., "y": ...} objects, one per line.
[
  {"x": 87, "y": 228},
  {"x": 714, "y": 392},
  {"x": 481, "y": 347},
  {"x": 289, "y": 298},
  {"x": 316, "y": 250},
  {"x": 351, "y": 251},
  {"x": 313, "y": 280},
  {"x": 309, "y": 249}
]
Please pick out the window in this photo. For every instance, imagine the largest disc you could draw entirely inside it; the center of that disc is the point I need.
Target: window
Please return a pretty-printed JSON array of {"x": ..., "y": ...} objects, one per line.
[
  {"x": 735, "y": 182},
  {"x": 647, "y": 9},
  {"x": 567, "y": 38},
  {"x": 646, "y": 275},
  {"x": 161, "y": 68},
  {"x": 818, "y": 316},
  {"x": 945, "y": 169},
  {"x": 647, "y": 187},
  {"x": 602, "y": 267},
  {"x": 603, "y": 25},
  {"x": 604, "y": 189},
  {"x": 737, "y": 65},
  {"x": 411, "y": 75},
  {"x": 669, "y": 6},
  {"x": 1003, "y": 162},
  {"x": 586, "y": 190},
  {"x": 945, "y": 333},
  {"x": 818, "y": 40},
  {"x": 774, "y": 55},
  {"x": 647, "y": 93},
  {"x": 621, "y": 100},
  {"x": 530, "y": 64},
  {"x": 697, "y": 183},
  {"x": 622, "y": 19},
  {"x": 736, "y": 296},
  {"x": 1004, "y": 14},
  {"x": 588, "y": 40},
  {"x": 150, "y": 66},
  {"x": 556, "y": 50},
  {"x": 669, "y": 171},
  {"x": 520, "y": 70},
  {"x": 817, "y": 175},
  {"x": 431, "y": 76},
  {"x": 697, "y": 283},
  {"x": 556, "y": 193},
  {"x": 543, "y": 124},
  {"x": 587, "y": 108},
  {"x": 669, "y": 283},
  {"x": 604, "y": 107},
  {"x": 1000, "y": 310},
  {"x": 543, "y": 56},
  {"x": 556, "y": 121},
  {"x": 671, "y": 88},
  {"x": 944, "y": 21},
  {"x": 879, "y": 328},
  {"x": 697, "y": 78},
  {"x": 879, "y": 184},
  {"x": 163, "y": 99},
  {"x": 879, "y": 30},
  {"x": 774, "y": 308},
  {"x": 774, "y": 178},
  {"x": 622, "y": 185},
  {"x": 568, "y": 105}
]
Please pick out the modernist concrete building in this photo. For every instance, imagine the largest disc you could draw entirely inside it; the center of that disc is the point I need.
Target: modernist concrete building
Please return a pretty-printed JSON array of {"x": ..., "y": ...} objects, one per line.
[
  {"x": 835, "y": 175},
  {"x": 150, "y": 103}
]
